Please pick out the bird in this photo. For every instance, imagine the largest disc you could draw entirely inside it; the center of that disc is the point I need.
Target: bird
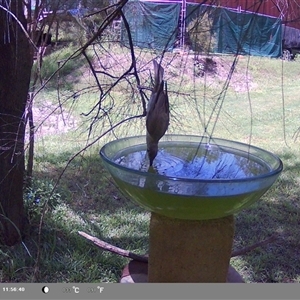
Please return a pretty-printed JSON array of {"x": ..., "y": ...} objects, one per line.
[{"x": 158, "y": 111}]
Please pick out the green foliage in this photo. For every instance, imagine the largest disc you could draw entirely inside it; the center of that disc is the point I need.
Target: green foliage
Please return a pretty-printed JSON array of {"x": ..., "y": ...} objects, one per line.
[
  {"x": 71, "y": 4},
  {"x": 41, "y": 195},
  {"x": 201, "y": 35},
  {"x": 95, "y": 3},
  {"x": 94, "y": 206},
  {"x": 72, "y": 33},
  {"x": 297, "y": 57},
  {"x": 83, "y": 26},
  {"x": 58, "y": 68}
]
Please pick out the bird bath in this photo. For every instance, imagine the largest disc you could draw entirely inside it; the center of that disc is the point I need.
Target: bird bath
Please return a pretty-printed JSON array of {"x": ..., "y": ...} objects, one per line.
[{"x": 193, "y": 190}]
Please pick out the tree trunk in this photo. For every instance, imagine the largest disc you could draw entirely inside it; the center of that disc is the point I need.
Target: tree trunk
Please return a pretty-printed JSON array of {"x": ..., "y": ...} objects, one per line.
[{"x": 15, "y": 69}]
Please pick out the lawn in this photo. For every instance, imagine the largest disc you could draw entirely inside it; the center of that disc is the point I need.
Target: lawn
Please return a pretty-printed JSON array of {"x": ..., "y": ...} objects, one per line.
[{"x": 72, "y": 191}]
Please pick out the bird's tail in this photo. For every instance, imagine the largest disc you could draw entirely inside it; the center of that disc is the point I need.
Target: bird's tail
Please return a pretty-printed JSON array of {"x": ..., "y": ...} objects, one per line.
[{"x": 158, "y": 75}]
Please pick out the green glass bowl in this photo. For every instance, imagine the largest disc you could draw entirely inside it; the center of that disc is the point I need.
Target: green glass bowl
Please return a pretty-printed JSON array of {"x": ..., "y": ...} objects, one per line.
[{"x": 194, "y": 177}]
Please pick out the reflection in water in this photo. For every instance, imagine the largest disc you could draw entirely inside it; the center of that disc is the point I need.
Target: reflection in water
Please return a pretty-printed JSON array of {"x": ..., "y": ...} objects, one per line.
[{"x": 203, "y": 163}]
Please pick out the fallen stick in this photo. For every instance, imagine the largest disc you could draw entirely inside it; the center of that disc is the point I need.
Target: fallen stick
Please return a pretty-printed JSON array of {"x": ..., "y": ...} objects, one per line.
[
  {"x": 108, "y": 247},
  {"x": 254, "y": 246}
]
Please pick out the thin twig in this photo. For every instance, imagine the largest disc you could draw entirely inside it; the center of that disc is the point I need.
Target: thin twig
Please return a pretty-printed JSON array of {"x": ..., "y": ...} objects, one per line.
[
  {"x": 108, "y": 247},
  {"x": 143, "y": 258},
  {"x": 264, "y": 242}
]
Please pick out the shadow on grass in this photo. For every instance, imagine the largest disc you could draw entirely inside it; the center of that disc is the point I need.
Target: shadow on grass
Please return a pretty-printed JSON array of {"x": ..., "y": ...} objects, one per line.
[
  {"x": 111, "y": 217},
  {"x": 94, "y": 193},
  {"x": 277, "y": 212},
  {"x": 90, "y": 202}
]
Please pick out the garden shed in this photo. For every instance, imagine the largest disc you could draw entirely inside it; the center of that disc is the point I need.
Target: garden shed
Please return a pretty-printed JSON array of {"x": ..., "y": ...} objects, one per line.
[{"x": 166, "y": 25}]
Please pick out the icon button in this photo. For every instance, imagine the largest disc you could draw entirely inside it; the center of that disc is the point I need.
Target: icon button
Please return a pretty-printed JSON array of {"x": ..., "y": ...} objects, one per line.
[{"x": 45, "y": 290}]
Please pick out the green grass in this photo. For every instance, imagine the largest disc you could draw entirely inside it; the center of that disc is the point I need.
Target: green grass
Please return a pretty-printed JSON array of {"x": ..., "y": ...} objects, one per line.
[{"x": 86, "y": 198}]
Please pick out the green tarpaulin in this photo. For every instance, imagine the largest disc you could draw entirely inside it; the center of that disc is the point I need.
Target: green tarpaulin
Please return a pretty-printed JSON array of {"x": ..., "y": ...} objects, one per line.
[
  {"x": 152, "y": 25},
  {"x": 240, "y": 32},
  {"x": 248, "y": 33},
  {"x": 157, "y": 26}
]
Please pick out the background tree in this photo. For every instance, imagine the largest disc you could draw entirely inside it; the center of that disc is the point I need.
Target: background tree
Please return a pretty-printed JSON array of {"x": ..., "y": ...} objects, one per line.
[
  {"x": 18, "y": 27},
  {"x": 19, "y": 23},
  {"x": 15, "y": 69}
]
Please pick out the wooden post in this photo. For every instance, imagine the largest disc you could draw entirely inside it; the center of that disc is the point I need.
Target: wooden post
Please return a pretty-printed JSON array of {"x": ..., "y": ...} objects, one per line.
[{"x": 189, "y": 251}]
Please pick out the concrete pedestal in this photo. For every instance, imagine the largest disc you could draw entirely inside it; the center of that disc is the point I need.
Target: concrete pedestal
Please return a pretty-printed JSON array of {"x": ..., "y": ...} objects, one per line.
[{"x": 189, "y": 251}]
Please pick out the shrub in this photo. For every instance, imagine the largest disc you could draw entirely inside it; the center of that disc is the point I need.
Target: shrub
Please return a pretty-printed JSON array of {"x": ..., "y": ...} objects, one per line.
[
  {"x": 39, "y": 195},
  {"x": 201, "y": 34}
]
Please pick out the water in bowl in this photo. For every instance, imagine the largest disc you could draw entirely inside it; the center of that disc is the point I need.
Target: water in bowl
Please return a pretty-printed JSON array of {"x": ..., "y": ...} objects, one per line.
[
  {"x": 191, "y": 180},
  {"x": 195, "y": 162}
]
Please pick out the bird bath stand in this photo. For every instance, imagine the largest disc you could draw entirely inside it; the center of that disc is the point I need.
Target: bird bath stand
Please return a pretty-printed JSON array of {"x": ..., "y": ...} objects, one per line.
[{"x": 196, "y": 187}]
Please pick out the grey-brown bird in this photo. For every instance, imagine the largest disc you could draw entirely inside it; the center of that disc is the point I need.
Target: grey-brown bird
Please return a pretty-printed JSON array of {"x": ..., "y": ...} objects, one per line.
[{"x": 157, "y": 119}]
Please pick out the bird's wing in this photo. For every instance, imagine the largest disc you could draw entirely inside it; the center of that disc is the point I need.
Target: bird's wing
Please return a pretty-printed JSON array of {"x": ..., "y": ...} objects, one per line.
[
  {"x": 157, "y": 120},
  {"x": 167, "y": 105},
  {"x": 158, "y": 74},
  {"x": 155, "y": 102}
]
